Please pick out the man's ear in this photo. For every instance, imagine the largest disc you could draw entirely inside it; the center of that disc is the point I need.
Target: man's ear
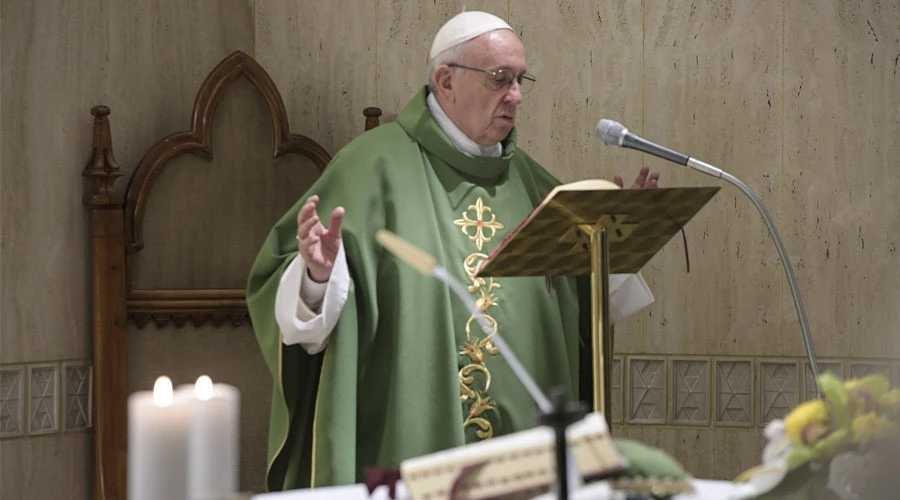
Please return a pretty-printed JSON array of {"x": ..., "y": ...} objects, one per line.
[{"x": 443, "y": 79}]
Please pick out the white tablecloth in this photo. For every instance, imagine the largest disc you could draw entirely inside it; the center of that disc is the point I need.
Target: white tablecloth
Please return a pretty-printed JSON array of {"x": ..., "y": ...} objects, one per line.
[{"x": 705, "y": 490}]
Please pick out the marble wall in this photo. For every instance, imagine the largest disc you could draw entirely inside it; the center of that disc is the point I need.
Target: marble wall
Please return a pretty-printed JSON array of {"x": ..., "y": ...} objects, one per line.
[{"x": 800, "y": 99}]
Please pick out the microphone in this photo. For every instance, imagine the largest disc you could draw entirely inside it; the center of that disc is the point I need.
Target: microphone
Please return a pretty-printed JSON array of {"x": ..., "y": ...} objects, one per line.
[{"x": 613, "y": 133}]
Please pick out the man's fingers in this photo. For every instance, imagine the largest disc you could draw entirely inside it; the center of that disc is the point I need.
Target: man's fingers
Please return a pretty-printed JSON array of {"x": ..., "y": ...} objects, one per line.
[
  {"x": 641, "y": 178},
  {"x": 306, "y": 227},
  {"x": 309, "y": 226},
  {"x": 334, "y": 227},
  {"x": 307, "y": 210},
  {"x": 653, "y": 181},
  {"x": 617, "y": 180},
  {"x": 305, "y": 245}
]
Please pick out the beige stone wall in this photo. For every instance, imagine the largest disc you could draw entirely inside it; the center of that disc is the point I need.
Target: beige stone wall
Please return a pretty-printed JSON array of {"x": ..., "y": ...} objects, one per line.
[
  {"x": 799, "y": 99},
  {"x": 145, "y": 60}
]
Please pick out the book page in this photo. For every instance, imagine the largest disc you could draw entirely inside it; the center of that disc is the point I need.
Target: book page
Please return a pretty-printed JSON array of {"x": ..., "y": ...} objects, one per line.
[{"x": 586, "y": 185}]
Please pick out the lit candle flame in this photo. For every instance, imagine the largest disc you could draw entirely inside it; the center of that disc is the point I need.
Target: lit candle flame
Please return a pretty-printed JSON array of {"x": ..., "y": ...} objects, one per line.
[
  {"x": 203, "y": 389},
  {"x": 162, "y": 392}
]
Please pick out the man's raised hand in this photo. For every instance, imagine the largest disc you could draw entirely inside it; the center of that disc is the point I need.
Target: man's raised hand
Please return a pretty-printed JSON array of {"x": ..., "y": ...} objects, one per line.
[
  {"x": 317, "y": 244},
  {"x": 644, "y": 179}
]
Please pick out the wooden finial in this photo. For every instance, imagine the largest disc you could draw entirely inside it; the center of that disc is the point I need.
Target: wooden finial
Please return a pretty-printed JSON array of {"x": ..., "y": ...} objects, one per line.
[
  {"x": 102, "y": 167},
  {"x": 372, "y": 113}
]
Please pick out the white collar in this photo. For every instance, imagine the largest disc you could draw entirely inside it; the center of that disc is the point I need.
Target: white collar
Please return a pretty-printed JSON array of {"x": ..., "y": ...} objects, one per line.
[{"x": 459, "y": 138}]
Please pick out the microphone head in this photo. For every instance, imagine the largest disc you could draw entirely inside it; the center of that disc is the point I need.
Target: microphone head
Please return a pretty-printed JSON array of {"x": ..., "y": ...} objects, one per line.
[{"x": 610, "y": 132}]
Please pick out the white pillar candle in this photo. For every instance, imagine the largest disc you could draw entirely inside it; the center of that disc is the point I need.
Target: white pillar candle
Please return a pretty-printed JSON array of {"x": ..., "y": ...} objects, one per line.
[
  {"x": 157, "y": 444},
  {"x": 214, "y": 443}
]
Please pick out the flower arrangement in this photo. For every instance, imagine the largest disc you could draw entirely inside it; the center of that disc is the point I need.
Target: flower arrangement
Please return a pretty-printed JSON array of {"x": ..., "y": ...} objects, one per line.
[{"x": 844, "y": 446}]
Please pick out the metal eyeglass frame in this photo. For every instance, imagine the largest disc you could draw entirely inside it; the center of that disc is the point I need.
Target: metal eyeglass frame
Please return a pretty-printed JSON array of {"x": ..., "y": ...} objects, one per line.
[{"x": 496, "y": 79}]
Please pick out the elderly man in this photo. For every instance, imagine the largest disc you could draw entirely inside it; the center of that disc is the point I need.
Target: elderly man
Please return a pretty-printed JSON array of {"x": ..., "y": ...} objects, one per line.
[{"x": 372, "y": 363}]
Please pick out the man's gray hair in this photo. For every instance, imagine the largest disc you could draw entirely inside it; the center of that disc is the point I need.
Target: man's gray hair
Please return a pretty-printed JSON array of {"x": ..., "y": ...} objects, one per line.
[{"x": 451, "y": 55}]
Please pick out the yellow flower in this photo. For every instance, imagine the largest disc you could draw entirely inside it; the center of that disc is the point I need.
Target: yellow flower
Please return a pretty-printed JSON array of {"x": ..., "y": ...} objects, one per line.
[
  {"x": 808, "y": 416},
  {"x": 870, "y": 427}
]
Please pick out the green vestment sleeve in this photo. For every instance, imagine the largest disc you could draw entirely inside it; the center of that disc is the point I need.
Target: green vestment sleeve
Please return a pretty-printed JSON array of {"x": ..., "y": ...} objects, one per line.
[{"x": 298, "y": 376}]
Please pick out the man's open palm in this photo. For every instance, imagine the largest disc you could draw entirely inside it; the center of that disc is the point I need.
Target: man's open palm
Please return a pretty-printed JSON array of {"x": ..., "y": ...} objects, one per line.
[
  {"x": 644, "y": 179},
  {"x": 317, "y": 244}
]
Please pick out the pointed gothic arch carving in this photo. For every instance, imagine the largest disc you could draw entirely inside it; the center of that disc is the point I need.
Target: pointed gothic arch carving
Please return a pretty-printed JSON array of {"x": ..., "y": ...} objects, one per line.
[{"x": 198, "y": 139}]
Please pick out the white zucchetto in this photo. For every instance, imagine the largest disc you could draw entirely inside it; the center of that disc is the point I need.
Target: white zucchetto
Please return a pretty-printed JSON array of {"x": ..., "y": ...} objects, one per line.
[{"x": 463, "y": 27}]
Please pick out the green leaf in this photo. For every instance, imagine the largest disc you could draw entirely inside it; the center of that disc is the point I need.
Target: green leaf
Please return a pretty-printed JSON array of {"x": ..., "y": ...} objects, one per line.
[
  {"x": 799, "y": 455},
  {"x": 832, "y": 444},
  {"x": 837, "y": 397}
]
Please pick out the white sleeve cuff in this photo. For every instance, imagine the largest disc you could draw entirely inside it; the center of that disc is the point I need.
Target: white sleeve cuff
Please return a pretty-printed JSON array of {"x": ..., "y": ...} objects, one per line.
[
  {"x": 299, "y": 324},
  {"x": 628, "y": 294},
  {"x": 312, "y": 293}
]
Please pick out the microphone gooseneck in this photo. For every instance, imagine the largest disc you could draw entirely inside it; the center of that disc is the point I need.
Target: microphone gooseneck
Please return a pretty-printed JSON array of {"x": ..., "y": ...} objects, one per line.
[{"x": 613, "y": 133}]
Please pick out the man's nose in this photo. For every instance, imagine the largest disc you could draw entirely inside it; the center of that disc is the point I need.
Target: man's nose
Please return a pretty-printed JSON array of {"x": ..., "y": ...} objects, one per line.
[{"x": 514, "y": 94}]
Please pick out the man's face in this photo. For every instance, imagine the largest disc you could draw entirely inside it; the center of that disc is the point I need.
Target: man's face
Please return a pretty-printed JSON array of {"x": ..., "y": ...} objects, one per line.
[{"x": 484, "y": 113}]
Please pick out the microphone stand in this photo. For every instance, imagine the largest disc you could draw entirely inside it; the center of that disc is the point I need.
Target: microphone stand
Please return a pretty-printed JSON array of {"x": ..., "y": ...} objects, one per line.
[
  {"x": 782, "y": 252},
  {"x": 614, "y": 134}
]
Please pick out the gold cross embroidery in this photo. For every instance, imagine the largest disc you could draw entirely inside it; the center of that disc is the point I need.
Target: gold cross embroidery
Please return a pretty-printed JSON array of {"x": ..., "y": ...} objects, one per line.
[{"x": 480, "y": 225}]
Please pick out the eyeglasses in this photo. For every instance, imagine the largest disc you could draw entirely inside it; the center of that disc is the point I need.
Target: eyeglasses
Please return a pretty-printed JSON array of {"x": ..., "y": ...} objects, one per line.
[{"x": 503, "y": 78}]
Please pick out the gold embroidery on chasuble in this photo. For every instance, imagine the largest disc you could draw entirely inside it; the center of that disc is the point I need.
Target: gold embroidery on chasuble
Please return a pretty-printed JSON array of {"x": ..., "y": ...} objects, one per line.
[
  {"x": 474, "y": 376},
  {"x": 478, "y": 224}
]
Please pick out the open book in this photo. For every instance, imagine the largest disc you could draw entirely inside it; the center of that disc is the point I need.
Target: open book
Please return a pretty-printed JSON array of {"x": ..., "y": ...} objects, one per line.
[
  {"x": 583, "y": 185},
  {"x": 553, "y": 241}
]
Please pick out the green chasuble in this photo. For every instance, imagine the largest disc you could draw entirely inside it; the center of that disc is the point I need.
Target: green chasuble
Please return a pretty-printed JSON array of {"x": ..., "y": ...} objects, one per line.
[{"x": 407, "y": 371}]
